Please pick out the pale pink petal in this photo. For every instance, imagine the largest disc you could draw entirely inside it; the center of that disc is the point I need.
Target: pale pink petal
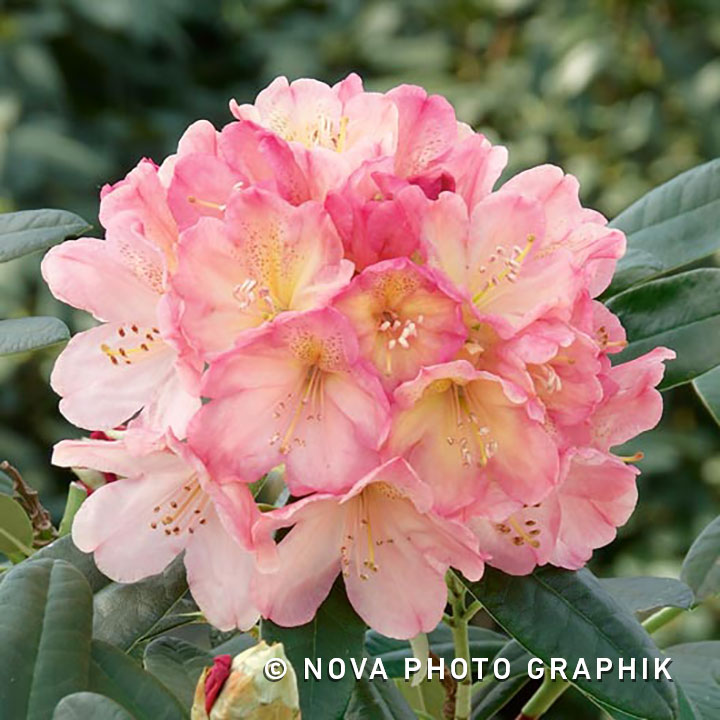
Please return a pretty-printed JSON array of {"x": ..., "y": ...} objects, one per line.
[
  {"x": 112, "y": 387},
  {"x": 308, "y": 560},
  {"x": 426, "y": 128},
  {"x": 523, "y": 541},
  {"x": 597, "y": 495},
  {"x": 115, "y": 523},
  {"x": 635, "y": 406},
  {"x": 219, "y": 574},
  {"x": 91, "y": 275}
]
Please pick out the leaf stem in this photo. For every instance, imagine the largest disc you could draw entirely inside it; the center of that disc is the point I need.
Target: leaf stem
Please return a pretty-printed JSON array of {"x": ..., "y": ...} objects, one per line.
[
  {"x": 661, "y": 618},
  {"x": 459, "y": 626},
  {"x": 544, "y": 697}
]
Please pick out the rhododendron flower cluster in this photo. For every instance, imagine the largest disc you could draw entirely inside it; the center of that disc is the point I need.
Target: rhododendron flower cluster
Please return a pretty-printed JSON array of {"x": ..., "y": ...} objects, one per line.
[{"x": 333, "y": 284}]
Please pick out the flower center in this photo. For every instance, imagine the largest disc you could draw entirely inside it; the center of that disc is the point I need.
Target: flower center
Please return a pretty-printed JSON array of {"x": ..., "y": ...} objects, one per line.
[
  {"x": 399, "y": 333},
  {"x": 182, "y": 510},
  {"x": 143, "y": 341}
]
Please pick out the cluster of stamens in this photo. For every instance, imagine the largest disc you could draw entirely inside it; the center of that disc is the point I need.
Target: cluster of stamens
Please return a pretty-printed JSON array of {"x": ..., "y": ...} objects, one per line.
[
  {"x": 502, "y": 265},
  {"x": 308, "y": 402},
  {"x": 182, "y": 511},
  {"x": 399, "y": 333},
  {"x": 523, "y": 533},
  {"x": 125, "y": 354},
  {"x": 480, "y": 437}
]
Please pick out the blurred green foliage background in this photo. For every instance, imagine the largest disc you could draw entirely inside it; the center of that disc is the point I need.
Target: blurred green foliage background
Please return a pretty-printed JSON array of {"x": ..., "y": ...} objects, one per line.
[{"x": 625, "y": 94}]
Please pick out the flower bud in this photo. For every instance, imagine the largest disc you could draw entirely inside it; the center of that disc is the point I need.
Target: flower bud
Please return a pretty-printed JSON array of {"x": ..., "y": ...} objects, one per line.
[{"x": 244, "y": 691}]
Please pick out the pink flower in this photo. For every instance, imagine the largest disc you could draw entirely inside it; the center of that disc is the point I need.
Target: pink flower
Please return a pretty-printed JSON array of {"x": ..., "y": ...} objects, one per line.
[
  {"x": 437, "y": 152},
  {"x": 331, "y": 130},
  {"x": 596, "y": 495},
  {"x": 126, "y": 363},
  {"x": 471, "y": 436},
  {"x": 265, "y": 258},
  {"x": 392, "y": 551},
  {"x": 163, "y": 504},
  {"x": 631, "y": 404},
  {"x": 403, "y": 318},
  {"x": 595, "y": 248},
  {"x": 294, "y": 392}
]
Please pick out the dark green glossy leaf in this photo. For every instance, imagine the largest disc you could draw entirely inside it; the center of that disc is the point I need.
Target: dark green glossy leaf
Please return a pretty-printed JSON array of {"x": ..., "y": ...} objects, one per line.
[
  {"x": 696, "y": 666},
  {"x": 377, "y": 700},
  {"x": 234, "y": 645},
  {"x": 30, "y": 333},
  {"x": 177, "y": 665},
  {"x": 483, "y": 644},
  {"x": 701, "y": 567},
  {"x": 115, "y": 675},
  {"x": 126, "y": 613},
  {"x": 45, "y": 624},
  {"x": 492, "y": 695},
  {"x": 557, "y": 613},
  {"x": 686, "y": 709},
  {"x": 645, "y": 594},
  {"x": 64, "y": 549},
  {"x": 30, "y": 230},
  {"x": 89, "y": 706},
  {"x": 674, "y": 225},
  {"x": 707, "y": 386},
  {"x": 680, "y": 312},
  {"x": 335, "y": 632},
  {"x": 16, "y": 531}
]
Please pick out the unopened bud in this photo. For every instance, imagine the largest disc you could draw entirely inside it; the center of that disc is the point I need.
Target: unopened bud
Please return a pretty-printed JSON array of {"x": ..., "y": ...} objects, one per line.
[{"x": 260, "y": 683}]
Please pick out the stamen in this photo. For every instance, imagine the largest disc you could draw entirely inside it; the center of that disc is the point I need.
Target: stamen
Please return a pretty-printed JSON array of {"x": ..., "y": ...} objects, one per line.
[{"x": 206, "y": 203}]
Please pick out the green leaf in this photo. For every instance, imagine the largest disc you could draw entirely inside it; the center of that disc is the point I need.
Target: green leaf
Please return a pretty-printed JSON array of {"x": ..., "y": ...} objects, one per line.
[
  {"x": 234, "y": 645},
  {"x": 115, "y": 675},
  {"x": 335, "y": 632},
  {"x": 89, "y": 706},
  {"x": 557, "y": 613},
  {"x": 483, "y": 644},
  {"x": 177, "y": 665},
  {"x": 701, "y": 567},
  {"x": 45, "y": 626},
  {"x": 377, "y": 700},
  {"x": 64, "y": 549},
  {"x": 30, "y": 333},
  {"x": 681, "y": 312},
  {"x": 686, "y": 709},
  {"x": 126, "y": 612},
  {"x": 16, "y": 531},
  {"x": 696, "y": 666},
  {"x": 707, "y": 386},
  {"x": 491, "y": 695},
  {"x": 646, "y": 594},
  {"x": 30, "y": 230},
  {"x": 674, "y": 225}
]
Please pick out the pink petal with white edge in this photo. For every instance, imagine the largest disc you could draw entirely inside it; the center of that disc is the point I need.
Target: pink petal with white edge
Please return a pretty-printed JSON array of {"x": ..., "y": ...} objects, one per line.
[
  {"x": 219, "y": 574},
  {"x": 112, "y": 386},
  {"x": 92, "y": 275}
]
